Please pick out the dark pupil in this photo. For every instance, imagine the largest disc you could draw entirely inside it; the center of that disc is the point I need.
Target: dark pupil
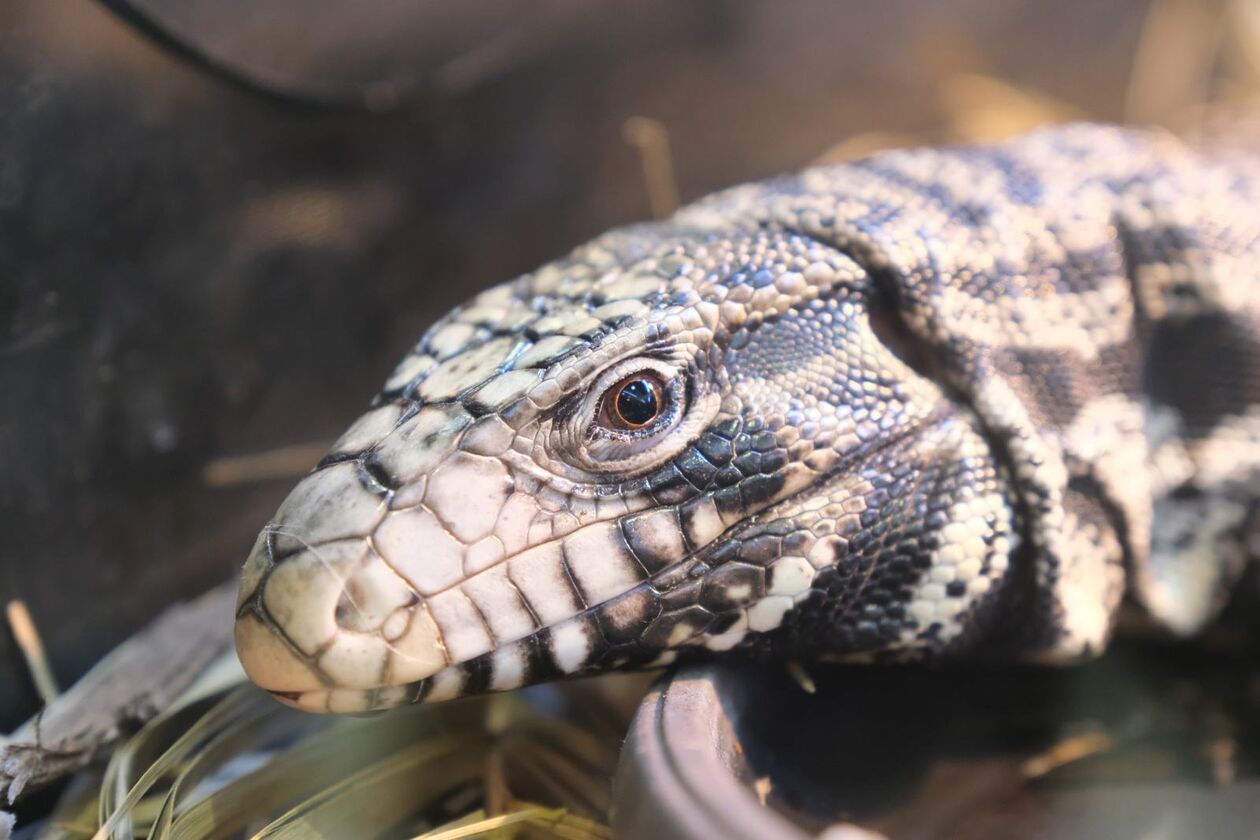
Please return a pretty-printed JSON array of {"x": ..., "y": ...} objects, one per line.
[{"x": 637, "y": 403}]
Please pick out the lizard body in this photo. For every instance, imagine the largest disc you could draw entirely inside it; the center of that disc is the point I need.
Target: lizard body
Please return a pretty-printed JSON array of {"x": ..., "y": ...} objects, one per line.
[{"x": 935, "y": 403}]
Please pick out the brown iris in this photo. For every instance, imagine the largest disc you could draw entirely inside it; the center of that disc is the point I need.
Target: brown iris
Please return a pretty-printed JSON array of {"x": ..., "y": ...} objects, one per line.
[{"x": 635, "y": 402}]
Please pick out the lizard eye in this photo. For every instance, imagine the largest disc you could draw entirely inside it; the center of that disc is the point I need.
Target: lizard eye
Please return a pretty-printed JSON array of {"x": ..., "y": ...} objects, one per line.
[
  {"x": 634, "y": 403},
  {"x": 630, "y": 418}
]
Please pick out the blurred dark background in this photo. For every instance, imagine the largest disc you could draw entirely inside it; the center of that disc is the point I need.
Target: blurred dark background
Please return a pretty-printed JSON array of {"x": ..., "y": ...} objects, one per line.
[{"x": 221, "y": 223}]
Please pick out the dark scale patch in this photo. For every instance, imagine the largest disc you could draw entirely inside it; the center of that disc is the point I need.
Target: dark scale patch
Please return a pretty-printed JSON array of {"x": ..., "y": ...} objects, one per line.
[
  {"x": 334, "y": 458},
  {"x": 673, "y": 575},
  {"x": 1079, "y": 270},
  {"x": 969, "y": 214},
  {"x": 774, "y": 461},
  {"x": 1206, "y": 367},
  {"x": 716, "y": 448},
  {"x": 616, "y": 657},
  {"x": 374, "y": 477},
  {"x": 778, "y": 527},
  {"x": 759, "y": 490},
  {"x": 637, "y": 532},
  {"x": 1089, "y": 500},
  {"x": 478, "y": 672},
  {"x": 1054, "y": 386},
  {"x": 415, "y": 692},
  {"x": 781, "y": 350},
  {"x": 660, "y": 634},
  {"x": 1022, "y": 184},
  {"x": 732, "y": 585},
  {"x": 624, "y": 618},
  {"x": 762, "y": 549},
  {"x": 1118, "y": 368},
  {"x": 696, "y": 468},
  {"x": 722, "y": 552},
  {"x": 728, "y": 428},
  {"x": 683, "y": 595},
  {"x": 730, "y": 505},
  {"x": 764, "y": 442},
  {"x": 860, "y": 602},
  {"x": 796, "y": 542},
  {"x": 1014, "y": 617},
  {"x": 748, "y": 464},
  {"x": 668, "y": 486},
  {"x": 541, "y": 667},
  {"x": 724, "y": 621},
  {"x": 1165, "y": 243},
  {"x": 761, "y": 278}
]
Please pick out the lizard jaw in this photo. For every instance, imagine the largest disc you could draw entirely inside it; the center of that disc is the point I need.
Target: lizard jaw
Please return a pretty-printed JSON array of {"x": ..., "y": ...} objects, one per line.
[
  {"x": 332, "y": 628},
  {"x": 340, "y": 619}
]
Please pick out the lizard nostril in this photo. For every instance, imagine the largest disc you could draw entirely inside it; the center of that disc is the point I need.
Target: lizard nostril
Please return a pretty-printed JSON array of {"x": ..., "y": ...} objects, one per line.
[{"x": 345, "y": 611}]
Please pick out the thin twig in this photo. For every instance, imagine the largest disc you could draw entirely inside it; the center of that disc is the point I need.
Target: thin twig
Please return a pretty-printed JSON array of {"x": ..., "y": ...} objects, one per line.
[
  {"x": 650, "y": 137},
  {"x": 27, "y": 637},
  {"x": 285, "y": 462},
  {"x": 801, "y": 677},
  {"x": 1067, "y": 751}
]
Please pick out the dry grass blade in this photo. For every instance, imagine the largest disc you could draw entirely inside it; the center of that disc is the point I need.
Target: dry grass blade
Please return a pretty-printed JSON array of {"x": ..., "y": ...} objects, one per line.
[
  {"x": 75, "y": 815},
  {"x": 226, "y": 761},
  {"x": 558, "y": 822},
  {"x": 120, "y": 796},
  {"x": 567, "y": 825},
  {"x": 304, "y": 769},
  {"x": 554, "y": 774},
  {"x": 477, "y": 821},
  {"x": 268, "y": 726},
  {"x": 436, "y": 764}
]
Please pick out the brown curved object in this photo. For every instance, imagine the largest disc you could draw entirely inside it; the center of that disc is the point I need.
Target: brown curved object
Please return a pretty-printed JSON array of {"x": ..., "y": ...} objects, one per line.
[
  {"x": 927, "y": 753},
  {"x": 682, "y": 774}
]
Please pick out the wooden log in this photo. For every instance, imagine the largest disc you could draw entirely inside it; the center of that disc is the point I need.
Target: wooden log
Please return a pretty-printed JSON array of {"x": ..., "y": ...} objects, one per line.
[{"x": 140, "y": 678}]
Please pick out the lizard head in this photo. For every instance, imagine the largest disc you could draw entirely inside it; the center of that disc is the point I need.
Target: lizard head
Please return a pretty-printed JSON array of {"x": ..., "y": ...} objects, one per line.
[{"x": 659, "y": 443}]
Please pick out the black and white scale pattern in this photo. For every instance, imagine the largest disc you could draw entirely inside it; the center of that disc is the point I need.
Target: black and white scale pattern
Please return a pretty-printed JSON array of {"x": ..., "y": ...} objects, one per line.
[{"x": 936, "y": 403}]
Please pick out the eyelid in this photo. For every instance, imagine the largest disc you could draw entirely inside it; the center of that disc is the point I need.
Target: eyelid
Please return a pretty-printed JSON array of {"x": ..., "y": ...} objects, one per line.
[
  {"x": 628, "y": 367},
  {"x": 608, "y": 446},
  {"x": 604, "y": 453}
]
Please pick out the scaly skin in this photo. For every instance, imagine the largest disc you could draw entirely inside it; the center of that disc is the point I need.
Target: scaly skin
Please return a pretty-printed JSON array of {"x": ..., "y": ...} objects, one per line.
[{"x": 938, "y": 403}]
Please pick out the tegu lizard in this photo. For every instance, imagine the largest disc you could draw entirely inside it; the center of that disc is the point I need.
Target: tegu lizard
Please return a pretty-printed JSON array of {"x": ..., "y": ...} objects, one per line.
[{"x": 937, "y": 403}]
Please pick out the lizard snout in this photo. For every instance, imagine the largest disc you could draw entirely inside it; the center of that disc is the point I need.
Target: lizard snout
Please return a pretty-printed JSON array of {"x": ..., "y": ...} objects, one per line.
[{"x": 322, "y": 618}]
